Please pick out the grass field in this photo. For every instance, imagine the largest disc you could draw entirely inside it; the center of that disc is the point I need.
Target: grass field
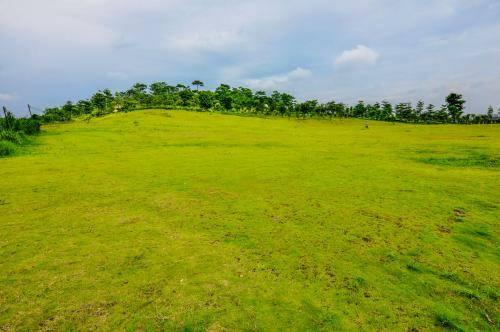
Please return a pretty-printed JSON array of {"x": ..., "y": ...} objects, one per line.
[{"x": 191, "y": 221}]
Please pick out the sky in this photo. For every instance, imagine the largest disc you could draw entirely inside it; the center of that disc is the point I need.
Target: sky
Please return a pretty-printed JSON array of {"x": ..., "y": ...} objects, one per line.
[{"x": 343, "y": 50}]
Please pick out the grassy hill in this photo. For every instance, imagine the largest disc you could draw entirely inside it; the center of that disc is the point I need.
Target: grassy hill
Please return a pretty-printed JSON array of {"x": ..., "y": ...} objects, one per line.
[{"x": 180, "y": 220}]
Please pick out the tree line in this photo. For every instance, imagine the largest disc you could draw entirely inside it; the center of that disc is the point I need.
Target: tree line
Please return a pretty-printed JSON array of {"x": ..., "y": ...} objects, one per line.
[
  {"x": 244, "y": 100},
  {"x": 240, "y": 100}
]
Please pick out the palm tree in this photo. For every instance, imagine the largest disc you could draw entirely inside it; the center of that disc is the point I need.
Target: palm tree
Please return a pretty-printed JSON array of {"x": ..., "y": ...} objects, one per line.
[{"x": 197, "y": 83}]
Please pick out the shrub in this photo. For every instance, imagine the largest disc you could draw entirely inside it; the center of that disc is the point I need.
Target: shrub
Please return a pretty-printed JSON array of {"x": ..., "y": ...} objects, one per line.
[
  {"x": 27, "y": 126},
  {"x": 11, "y": 136},
  {"x": 6, "y": 148}
]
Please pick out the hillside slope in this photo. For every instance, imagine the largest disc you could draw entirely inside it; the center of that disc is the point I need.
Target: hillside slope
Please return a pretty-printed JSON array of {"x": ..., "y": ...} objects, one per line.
[{"x": 182, "y": 220}]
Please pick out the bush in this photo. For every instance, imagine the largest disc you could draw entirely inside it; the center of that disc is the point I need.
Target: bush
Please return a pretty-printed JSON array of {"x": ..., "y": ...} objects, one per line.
[
  {"x": 11, "y": 136},
  {"x": 27, "y": 126},
  {"x": 6, "y": 148}
]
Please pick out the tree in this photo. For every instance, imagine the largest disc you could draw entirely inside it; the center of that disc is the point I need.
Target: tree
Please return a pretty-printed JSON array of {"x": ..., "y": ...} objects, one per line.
[
  {"x": 490, "y": 114},
  {"x": 442, "y": 114},
  {"x": 306, "y": 108},
  {"x": 197, "y": 83},
  {"x": 68, "y": 109},
  {"x": 206, "y": 100},
  {"x": 404, "y": 111},
  {"x": 360, "y": 109},
  {"x": 84, "y": 107},
  {"x": 386, "y": 113},
  {"x": 241, "y": 99},
  {"x": 127, "y": 105},
  {"x": 181, "y": 87},
  {"x": 419, "y": 109},
  {"x": 375, "y": 111},
  {"x": 468, "y": 118},
  {"x": 430, "y": 113},
  {"x": 158, "y": 88},
  {"x": 260, "y": 99},
  {"x": 455, "y": 105},
  {"x": 139, "y": 88},
  {"x": 287, "y": 102},
  {"x": 98, "y": 101},
  {"x": 224, "y": 96},
  {"x": 186, "y": 96}
]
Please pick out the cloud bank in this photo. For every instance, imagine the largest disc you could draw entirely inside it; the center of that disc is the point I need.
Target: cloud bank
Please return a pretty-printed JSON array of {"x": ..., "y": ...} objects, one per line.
[{"x": 57, "y": 50}]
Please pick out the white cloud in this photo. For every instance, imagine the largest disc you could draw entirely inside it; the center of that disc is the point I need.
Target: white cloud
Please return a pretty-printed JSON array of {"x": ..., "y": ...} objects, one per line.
[
  {"x": 278, "y": 81},
  {"x": 8, "y": 96},
  {"x": 361, "y": 55}
]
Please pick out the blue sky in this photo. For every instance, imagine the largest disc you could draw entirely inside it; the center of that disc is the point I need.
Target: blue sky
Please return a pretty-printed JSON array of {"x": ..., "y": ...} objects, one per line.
[{"x": 58, "y": 50}]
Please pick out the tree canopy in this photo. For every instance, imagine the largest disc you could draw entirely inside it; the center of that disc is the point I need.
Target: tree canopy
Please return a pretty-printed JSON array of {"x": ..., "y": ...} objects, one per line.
[{"x": 246, "y": 101}]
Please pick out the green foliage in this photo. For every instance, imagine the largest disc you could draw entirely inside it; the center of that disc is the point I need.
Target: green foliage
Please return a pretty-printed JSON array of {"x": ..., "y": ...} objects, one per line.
[
  {"x": 6, "y": 148},
  {"x": 27, "y": 126},
  {"x": 197, "y": 83},
  {"x": 13, "y": 131},
  {"x": 206, "y": 100},
  {"x": 455, "y": 106},
  {"x": 8, "y": 122},
  {"x": 243, "y": 100},
  {"x": 11, "y": 136},
  {"x": 55, "y": 114}
]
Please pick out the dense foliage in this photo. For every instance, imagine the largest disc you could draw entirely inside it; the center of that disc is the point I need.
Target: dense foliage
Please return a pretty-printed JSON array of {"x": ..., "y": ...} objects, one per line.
[
  {"x": 245, "y": 101},
  {"x": 13, "y": 131}
]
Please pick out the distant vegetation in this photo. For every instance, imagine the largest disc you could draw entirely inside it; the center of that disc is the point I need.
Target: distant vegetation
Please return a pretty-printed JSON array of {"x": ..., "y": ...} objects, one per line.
[
  {"x": 245, "y": 101},
  {"x": 232, "y": 100},
  {"x": 13, "y": 132}
]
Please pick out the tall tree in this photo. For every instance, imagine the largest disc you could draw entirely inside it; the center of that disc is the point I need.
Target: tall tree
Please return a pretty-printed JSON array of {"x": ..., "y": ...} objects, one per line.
[
  {"x": 360, "y": 109},
  {"x": 430, "y": 113},
  {"x": 84, "y": 107},
  {"x": 442, "y": 115},
  {"x": 139, "y": 88},
  {"x": 98, "y": 101},
  {"x": 68, "y": 109},
  {"x": 404, "y": 111},
  {"x": 197, "y": 83},
  {"x": 158, "y": 88},
  {"x": 419, "y": 109},
  {"x": 455, "y": 105},
  {"x": 386, "y": 110},
  {"x": 490, "y": 114},
  {"x": 224, "y": 96}
]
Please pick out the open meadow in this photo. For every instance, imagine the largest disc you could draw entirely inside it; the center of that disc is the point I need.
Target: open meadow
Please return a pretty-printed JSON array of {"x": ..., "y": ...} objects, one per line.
[{"x": 182, "y": 220}]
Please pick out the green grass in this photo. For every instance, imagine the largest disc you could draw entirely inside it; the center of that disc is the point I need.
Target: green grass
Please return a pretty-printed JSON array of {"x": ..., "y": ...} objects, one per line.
[
  {"x": 190, "y": 221},
  {"x": 7, "y": 148}
]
